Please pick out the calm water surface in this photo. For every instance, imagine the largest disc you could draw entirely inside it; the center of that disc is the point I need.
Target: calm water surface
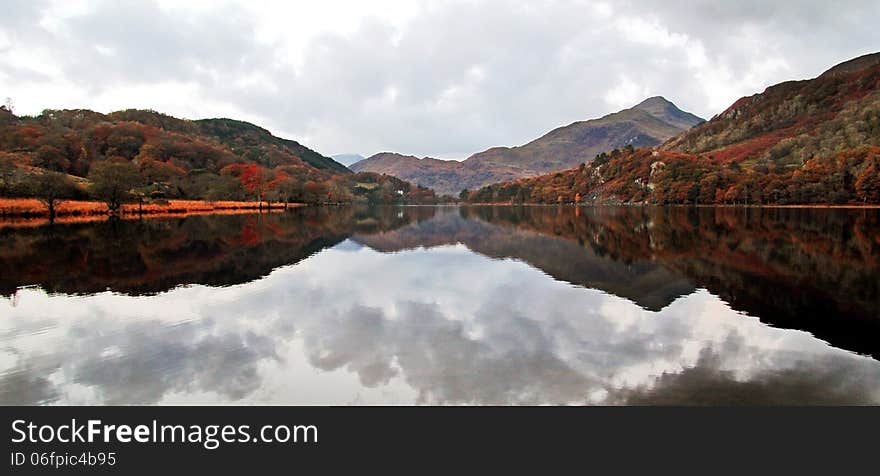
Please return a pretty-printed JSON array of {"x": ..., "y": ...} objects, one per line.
[{"x": 446, "y": 305}]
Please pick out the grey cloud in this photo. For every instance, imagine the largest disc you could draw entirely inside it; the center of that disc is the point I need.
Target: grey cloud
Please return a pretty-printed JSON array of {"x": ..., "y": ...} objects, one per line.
[
  {"x": 154, "y": 359},
  {"x": 830, "y": 381},
  {"x": 810, "y": 36},
  {"x": 19, "y": 15},
  {"x": 440, "y": 361},
  {"x": 459, "y": 77},
  {"x": 356, "y": 340},
  {"x": 26, "y": 386},
  {"x": 146, "y": 44}
]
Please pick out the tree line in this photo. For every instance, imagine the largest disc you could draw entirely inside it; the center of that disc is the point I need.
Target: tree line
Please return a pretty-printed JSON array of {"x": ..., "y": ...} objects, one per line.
[{"x": 647, "y": 176}]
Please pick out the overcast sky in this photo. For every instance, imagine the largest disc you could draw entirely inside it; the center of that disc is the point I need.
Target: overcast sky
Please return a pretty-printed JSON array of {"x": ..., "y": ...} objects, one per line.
[{"x": 443, "y": 79}]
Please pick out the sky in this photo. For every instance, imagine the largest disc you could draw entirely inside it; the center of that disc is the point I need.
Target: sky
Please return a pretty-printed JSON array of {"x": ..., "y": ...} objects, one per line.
[{"x": 430, "y": 78}]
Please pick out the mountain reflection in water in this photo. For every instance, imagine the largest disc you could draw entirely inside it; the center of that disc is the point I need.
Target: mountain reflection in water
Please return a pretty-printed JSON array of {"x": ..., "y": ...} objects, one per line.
[{"x": 475, "y": 305}]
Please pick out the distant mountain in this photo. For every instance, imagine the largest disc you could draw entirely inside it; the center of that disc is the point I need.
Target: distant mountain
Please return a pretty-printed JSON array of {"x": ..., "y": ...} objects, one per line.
[
  {"x": 347, "y": 159},
  {"x": 640, "y": 126},
  {"x": 649, "y": 123},
  {"x": 798, "y": 142},
  {"x": 439, "y": 174},
  {"x": 446, "y": 177}
]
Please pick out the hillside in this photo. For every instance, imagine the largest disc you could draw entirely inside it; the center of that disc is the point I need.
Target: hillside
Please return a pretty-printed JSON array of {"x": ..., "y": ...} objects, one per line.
[
  {"x": 646, "y": 124},
  {"x": 245, "y": 138},
  {"x": 145, "y": 155},
  {"x": 799, "y": 142}
]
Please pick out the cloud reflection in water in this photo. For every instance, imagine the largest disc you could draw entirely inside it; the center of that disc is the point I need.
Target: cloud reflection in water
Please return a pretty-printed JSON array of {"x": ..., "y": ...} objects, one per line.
[{"x": 442, "y": 325}]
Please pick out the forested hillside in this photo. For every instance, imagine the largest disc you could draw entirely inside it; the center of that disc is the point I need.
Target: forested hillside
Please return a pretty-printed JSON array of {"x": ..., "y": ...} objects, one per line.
[
  {"x": 799, "y": 142},
  {"x": 118, "y": 157}
]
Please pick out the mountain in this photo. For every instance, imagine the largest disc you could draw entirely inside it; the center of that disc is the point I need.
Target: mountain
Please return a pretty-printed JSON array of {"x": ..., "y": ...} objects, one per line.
[
  {"x": 662, "y": 109},
  {"x": 347, "y": 159},
  {"x": 648, "y": 123},
  {"x": 640, "y": 126},
  {"x": 798, "y": 142},
  {"x": 439, "y": 173},
  {"x": 156, "y": 156},
  {"x": 447, "y": 177}
]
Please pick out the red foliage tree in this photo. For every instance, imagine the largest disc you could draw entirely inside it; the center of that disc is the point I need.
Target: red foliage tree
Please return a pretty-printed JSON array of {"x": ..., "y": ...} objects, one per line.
[{"x": 868, "y": 183}]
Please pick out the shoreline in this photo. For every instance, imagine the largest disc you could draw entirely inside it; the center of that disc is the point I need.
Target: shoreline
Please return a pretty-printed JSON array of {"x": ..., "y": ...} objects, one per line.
[
  {"x": 23, "y": 212},
  {"x": 677, "y": 205}
]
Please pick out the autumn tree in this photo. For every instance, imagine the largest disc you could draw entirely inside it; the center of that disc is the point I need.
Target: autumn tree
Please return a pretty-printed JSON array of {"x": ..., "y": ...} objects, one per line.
[
  {"x": 221, "y": 187},
  {"x": 314, "y": 192},
  {"x": 112, "y": 182},
  {"x": 125, "y": 140},
  {"x": 51, "y": 188},
  {"x": 7, "y": 173},
  {"x": 50, "y": 158},
  {"x": 868, "y": 183},
  {"x": 693, "y": 194},
  {"x": 290, "y": 190},
  {"x": 337, "y": 192},
  {"x": 253, "y": 177}
]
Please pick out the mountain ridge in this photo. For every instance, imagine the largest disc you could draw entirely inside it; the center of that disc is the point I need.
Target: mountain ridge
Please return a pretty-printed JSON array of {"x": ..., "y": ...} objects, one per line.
[{"x": 560, "y": 148}]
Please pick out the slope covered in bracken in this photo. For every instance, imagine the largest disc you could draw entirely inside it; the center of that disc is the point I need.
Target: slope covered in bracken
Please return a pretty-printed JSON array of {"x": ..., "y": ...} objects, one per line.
[
  {"x": 795, "y": 121},
  {"x": 173, "y": 158},
  {"x": 800, "y": 142},
  {"x": 69, "y": 140},
  {"x": 156, "y": 157}
]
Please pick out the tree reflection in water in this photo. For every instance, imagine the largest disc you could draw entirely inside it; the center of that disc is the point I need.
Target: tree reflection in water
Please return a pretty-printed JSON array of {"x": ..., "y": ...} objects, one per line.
[{"x": 446, "y": 305}]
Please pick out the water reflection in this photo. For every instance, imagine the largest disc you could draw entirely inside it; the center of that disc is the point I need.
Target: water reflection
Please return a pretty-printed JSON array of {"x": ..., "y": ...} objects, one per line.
[{"x": 449, "y": 306}]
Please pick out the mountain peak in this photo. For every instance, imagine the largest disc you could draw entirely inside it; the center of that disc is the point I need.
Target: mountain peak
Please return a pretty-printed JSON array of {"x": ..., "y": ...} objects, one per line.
[
  {"x": 654, "y": 101},
  {"x": 665, "y": 110}
]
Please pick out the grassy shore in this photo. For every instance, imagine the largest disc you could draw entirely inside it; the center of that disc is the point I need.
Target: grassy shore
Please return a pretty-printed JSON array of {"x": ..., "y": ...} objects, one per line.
[{"x": 30, "y": 211}]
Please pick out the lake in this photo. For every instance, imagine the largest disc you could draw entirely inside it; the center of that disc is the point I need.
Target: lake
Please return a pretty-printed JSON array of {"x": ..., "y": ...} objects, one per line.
[{"x": 446, "y": 305}]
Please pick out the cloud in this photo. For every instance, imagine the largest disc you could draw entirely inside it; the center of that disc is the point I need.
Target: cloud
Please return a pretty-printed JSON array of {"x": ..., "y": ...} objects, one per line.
[{"x": 443, "y": 79}]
